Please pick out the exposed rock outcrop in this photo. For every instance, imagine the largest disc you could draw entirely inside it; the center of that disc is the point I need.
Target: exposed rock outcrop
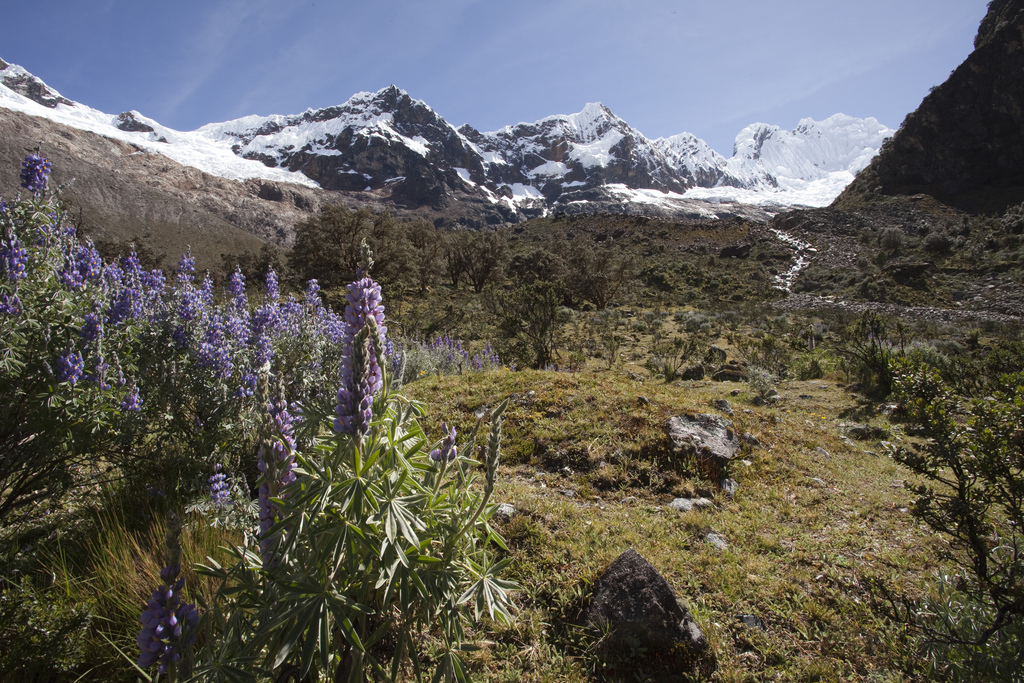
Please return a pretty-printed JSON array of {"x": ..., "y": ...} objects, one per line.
[{"x": 963, "y": 145}]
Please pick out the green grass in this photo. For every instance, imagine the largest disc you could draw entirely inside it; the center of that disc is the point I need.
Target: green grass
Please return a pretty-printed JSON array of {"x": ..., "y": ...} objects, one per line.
[{"x": 799, "y": 554}]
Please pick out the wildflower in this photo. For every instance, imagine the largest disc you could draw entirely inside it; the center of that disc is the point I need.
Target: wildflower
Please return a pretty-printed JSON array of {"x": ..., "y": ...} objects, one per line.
[
  {"x": 218, "y": 486},
  {"x": 100, "y": 376},
  {"x": 167, "y": 624},
  {"x": 70, "y": 366},
  {"x": 10, "y": 305},
  {"x": 447, "y": 450},
  {"x": 70, "y": 275},
  {"x": 213, "y": 351},
  {"x": 272, "y": 289},
  {"x": 361, "y": 376},
  {"x": 132, "y": 402},
  {"x": 277, "y": 459},
  {"x": 88, "y": 262},
  {"x": 13, "y": 258},
  {"x": 186, "y": 267},
  {"x": 236, "y": 290},
  {"x": 34, "y": 173}
]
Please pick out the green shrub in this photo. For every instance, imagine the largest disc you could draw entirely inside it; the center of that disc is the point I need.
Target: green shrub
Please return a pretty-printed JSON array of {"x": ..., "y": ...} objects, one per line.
[{"x": 972, "y": 459}]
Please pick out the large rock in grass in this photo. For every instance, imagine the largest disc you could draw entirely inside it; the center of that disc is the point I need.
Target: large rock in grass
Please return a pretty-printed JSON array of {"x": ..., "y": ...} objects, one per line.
[
  {"x": 708, "y": 438},
  {"x": 645, "y": 624}
]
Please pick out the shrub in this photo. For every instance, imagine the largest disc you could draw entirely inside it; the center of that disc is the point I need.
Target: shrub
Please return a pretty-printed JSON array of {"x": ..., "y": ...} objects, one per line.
[
  {"x": 760, "y": 381},
  {"x": 972, "y": 459}
]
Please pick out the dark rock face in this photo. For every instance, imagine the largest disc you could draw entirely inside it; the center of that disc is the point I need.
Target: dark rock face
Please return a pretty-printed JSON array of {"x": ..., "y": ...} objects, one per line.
[
  {"x": 964, "y": 144},
  {"x": 126, "y": 121},
  {"x": 640, "y": 609}
]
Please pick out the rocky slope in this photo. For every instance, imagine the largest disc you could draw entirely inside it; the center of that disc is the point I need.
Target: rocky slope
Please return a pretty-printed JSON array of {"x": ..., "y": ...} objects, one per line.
[{"x": 963, "y": 145}]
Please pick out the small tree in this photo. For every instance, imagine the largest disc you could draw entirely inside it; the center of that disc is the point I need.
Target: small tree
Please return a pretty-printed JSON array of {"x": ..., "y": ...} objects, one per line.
[
  {"x": 528, "y": 319},
  {"x": 973, "y": 460},
  {"x": 480, "y": 257}
]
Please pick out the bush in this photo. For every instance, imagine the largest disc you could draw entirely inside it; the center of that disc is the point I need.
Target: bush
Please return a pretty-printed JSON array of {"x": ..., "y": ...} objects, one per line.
[{"x": 972, "y": 459}]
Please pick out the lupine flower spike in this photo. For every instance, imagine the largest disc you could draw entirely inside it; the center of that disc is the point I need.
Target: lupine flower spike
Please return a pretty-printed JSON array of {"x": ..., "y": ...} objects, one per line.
[
  {"x": 218, "y": 486},
  {"x": 277, "y": 459},
  {"x": 168, "y": 625},
  {"x": 34, "y": 173}
]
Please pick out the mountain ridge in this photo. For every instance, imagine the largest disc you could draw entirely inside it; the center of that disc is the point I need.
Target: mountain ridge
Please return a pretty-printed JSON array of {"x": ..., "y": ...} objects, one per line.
[{"x": 398, "y": 151}]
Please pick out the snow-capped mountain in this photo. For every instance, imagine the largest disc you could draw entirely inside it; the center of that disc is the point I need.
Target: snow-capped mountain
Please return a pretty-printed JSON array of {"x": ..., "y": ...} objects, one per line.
[{"x": 396, "y": 149}]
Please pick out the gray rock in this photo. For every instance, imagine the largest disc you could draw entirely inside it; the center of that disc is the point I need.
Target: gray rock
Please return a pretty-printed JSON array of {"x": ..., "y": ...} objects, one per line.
[
  {"x": 729, "y": 487},
  {"x": 861, "y": 432},
  {"x": 709, "y": 438},
  {"x": 822, "y": 452},
  {"x": 820, "y": 483},
  {"x": 506, "y": 511},
  {"x": 568, "y": 493},
  {"x": 717, "y": 540},
  {"x": 751, "y": 439},
  {"x": 682, "y": 504},
  {"x": 752, "y": 621},
  {"x": 687, "y": 504},
  {"x": 722, "y": 405},
  {"x": 636, "y": 605}
]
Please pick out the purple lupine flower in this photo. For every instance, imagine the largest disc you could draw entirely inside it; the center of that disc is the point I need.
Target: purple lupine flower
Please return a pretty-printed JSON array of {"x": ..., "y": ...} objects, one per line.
[
  {"x": 168, "y": 625},
  {"x": 10, "y": 305},
  {"x": 34, "y": 173},
  {"x": 13, "y": 258},
  {"x": 272, "y": 289},
  {"x": 128, "y": 305},
  {"x": 186, "y": 267},
  {"x": 154, "y": 280},
  {"x": 447, "y": 451},
  {"x": 100, "y": 376},
  {"x": 89, "y": 262},
  {"x": 191, "y": 306},
  {"x": 70, "y": 275},
  {"x": 219, "y": 486},
  {"x": 313, "y": 296},
  {"x": 361, "y": 376},
  {"x": 70, "y": 366},
  {"x": 132, "y": 402},
  {"x": 277, "y": 460},
  {"x": 206, "y": 291},
  {"x": 112, "y": 277},
  {"x": 247, "y": 385},
  {"x": 236, "y": 290},
  {"x": 131, "y": 266},
  {"x": 213, "y": 352}
]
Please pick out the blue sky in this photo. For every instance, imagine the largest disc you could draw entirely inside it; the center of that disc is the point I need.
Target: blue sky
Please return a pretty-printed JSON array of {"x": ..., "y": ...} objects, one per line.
[{"x": 708, "y": 67}]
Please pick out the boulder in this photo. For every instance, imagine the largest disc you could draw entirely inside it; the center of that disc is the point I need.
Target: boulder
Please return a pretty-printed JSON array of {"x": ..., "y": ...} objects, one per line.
[
  {"x": 722, "y": 405},
  {"x": 693, "y": 372},
  {"x": 709, "y": 438},
  {"x": 730, "y": 373},
  {"x": 639, "y": 611},
  {"x": 687, "y": 504},
  {"x": 714, "y": 355}
]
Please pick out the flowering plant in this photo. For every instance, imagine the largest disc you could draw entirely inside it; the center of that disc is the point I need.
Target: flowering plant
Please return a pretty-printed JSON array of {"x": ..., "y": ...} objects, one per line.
[{"x": 371, "y": 541}]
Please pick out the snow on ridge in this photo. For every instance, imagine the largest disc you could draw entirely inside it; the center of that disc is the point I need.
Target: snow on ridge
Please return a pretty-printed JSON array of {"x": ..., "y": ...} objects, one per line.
[{"x": 187, "y": 148}]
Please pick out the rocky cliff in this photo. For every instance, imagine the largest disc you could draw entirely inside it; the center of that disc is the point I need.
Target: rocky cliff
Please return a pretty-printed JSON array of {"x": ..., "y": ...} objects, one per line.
[{"x": 964, "y": 143}]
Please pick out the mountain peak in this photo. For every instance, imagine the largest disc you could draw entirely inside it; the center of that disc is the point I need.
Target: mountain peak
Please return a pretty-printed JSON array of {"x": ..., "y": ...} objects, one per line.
[{"x": 19, "y": 80}]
